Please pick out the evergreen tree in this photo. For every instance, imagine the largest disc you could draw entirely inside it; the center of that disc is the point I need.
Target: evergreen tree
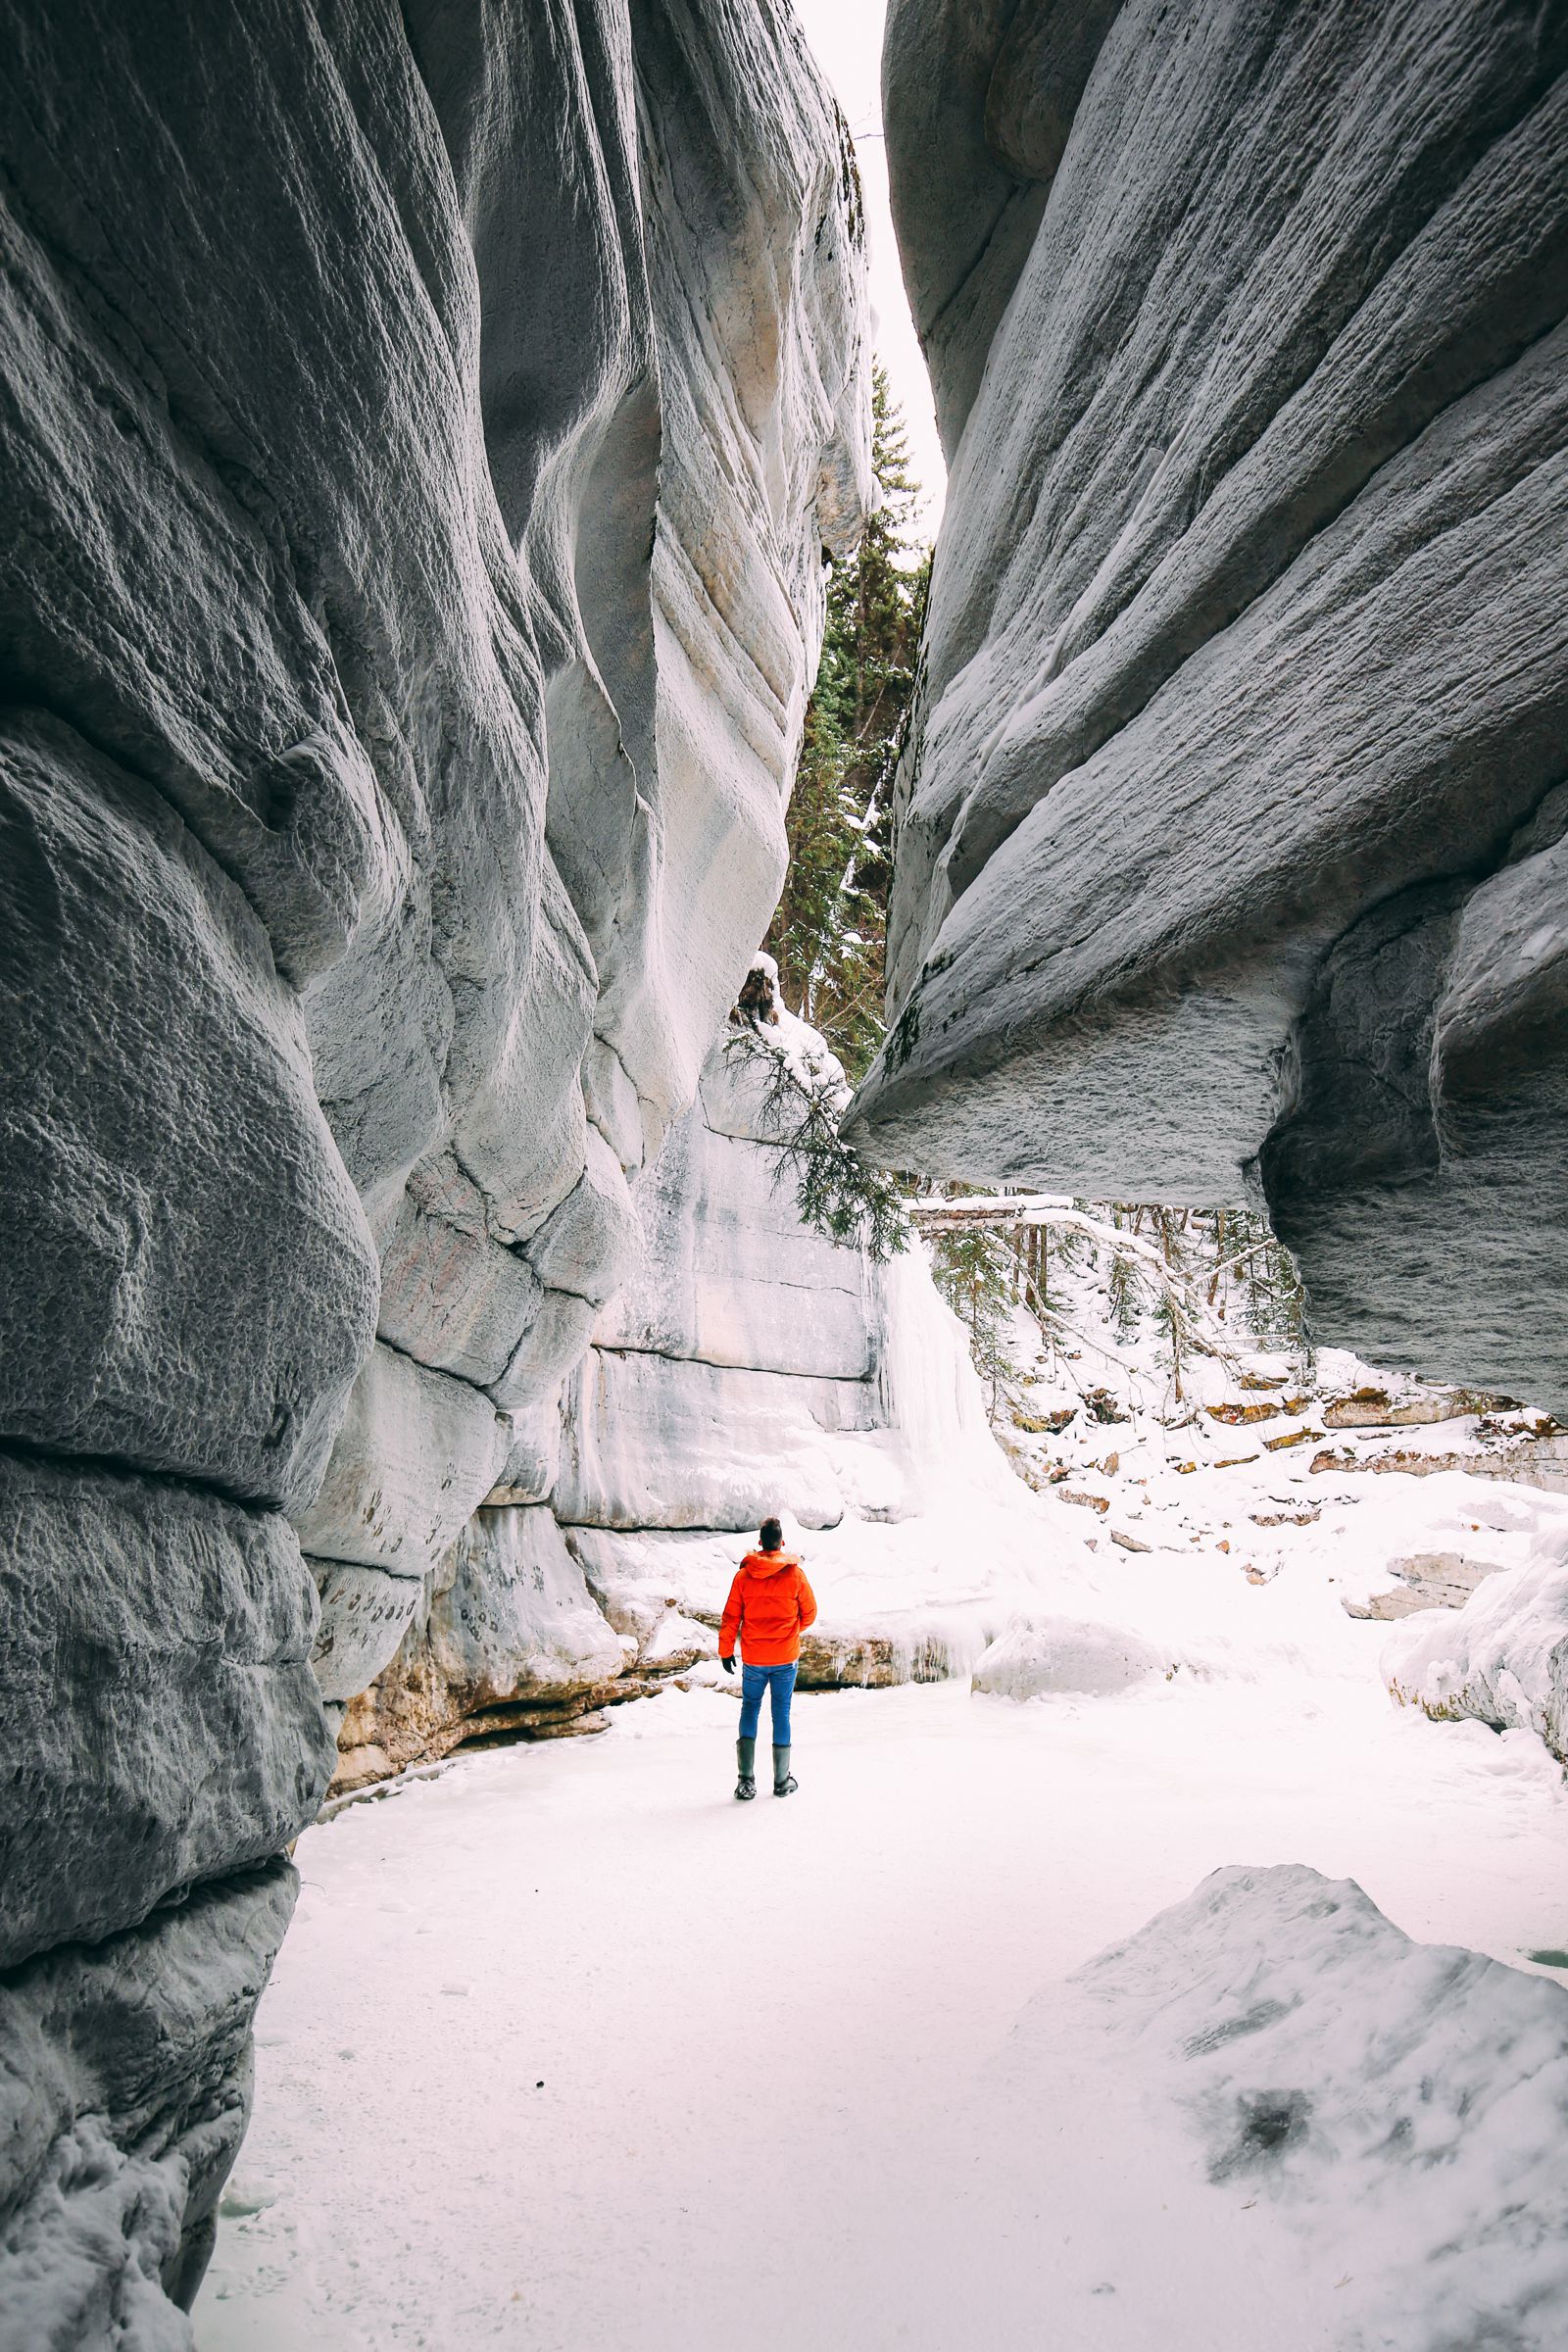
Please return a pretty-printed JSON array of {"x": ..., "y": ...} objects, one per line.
[
  {"x": 977, "y": 1275},
  {"x": 828, "y": 933}
]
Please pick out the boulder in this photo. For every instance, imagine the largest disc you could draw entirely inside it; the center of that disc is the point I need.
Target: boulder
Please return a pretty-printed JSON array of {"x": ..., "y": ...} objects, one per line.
[
  {"x": 1428, "y": 1580},
  {"x": 1397, "y": 2106}
]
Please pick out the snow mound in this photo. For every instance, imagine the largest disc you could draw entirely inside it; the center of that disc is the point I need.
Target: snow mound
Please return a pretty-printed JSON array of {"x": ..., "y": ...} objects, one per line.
[
  {"x": 1066, "y": 1655},
  {"x": 1406, "y": 2104},
  {"x": 1502, "y": 1658}
]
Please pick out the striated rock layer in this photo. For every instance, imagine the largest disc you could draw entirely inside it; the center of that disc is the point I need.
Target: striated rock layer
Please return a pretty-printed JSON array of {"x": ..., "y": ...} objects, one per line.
[
  {"x": 748, "y": 1366},
  {"x": 1232, "y": 828},
  {"x": 422, "y": 428}
]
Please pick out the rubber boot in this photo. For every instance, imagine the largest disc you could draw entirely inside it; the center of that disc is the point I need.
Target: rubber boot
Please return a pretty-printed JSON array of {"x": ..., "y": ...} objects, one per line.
[
  {"x": 784, "y": 1781},
  {"x": 745, "y": 1765}
]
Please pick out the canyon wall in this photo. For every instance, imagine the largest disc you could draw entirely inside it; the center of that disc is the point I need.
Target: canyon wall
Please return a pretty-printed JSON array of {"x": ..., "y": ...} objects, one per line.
[
  {"x": 747, "y": 1365},
  {"x": 423, "y": 430},
  {"x": 1231, "y": 833}
]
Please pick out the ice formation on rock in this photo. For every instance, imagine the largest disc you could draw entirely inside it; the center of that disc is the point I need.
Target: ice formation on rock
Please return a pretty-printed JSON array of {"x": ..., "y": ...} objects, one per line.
[
  {"x": 423, "y": 427},
  {"x": 1231, "y": 826},
  {"x": 747, "y": 1365},
  {"x": 752, "y": 1366}
]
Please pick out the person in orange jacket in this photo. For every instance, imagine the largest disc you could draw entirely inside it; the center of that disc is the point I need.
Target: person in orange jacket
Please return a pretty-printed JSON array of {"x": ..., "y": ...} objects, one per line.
[{"x": 769, "y": 1607}]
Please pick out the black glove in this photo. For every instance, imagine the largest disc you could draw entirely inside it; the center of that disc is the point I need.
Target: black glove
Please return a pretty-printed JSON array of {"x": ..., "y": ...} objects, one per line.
[{"x": 728, "y": 1665}]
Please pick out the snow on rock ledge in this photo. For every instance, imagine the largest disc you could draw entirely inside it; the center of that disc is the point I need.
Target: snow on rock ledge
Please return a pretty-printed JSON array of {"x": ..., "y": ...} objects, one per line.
[{"x": 1502, "y": 1659}]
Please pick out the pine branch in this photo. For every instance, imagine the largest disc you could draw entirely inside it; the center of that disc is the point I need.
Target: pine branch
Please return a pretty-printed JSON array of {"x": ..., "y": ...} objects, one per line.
[{"x": 838, "y": 1195}]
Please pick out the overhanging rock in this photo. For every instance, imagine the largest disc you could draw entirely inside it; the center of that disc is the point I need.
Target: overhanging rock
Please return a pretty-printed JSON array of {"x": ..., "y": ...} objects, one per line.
[{"x": 1230, "y": 828}]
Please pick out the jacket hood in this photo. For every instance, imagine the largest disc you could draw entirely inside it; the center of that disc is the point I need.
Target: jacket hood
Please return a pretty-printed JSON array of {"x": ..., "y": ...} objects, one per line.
[{"x": 768, "y": 1563}]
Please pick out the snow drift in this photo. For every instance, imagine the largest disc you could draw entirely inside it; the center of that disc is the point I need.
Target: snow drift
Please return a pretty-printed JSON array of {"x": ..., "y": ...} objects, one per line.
[
  {"x": 1404, "y": 2105},
  {"x": 1032, "y": 1660}
]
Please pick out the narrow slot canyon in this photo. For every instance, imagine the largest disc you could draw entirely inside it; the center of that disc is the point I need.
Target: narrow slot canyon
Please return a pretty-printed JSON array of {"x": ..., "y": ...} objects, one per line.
[{"x": 782, "y": 814}]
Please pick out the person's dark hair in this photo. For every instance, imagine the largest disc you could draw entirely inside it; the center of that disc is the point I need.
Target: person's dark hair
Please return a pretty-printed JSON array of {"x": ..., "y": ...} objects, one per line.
[{"x": 770, "y": 1536}]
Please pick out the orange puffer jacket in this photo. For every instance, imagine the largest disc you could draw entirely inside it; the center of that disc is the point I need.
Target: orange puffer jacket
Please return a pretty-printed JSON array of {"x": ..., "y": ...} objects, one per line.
[{"x": 769, "y": 1607}]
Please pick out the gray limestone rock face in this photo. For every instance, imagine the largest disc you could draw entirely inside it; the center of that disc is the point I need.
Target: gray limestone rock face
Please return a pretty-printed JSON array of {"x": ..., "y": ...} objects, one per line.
[
  {"x": 497, "y": 761},
  {"x": 364, "y": 1614},
  {"x": 655, "y": 1440},
  {"x": 506, "y": 1635},
  {"x": 1230, "y": 826},
  {"x": 190, "y": 1285},
  {"x": 452, "y": 1298},
  {"x": 742, "y": 1343},
  {"x": 728, "y": 1273},
  {"x": 749, "y": 1366},
  {"x": 1426, "y": 1102},
  {"x": 751, "y": 1363},
  {"x": 424, "y": 425},
  {"x": 417, "y": 1453},
  {"x": 124, "y": 2090},
  {"x": 158, "y": 1720}
]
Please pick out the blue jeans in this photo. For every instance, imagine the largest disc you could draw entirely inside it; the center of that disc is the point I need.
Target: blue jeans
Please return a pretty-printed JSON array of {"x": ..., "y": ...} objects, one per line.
[{"x": 780, "y": 1681}]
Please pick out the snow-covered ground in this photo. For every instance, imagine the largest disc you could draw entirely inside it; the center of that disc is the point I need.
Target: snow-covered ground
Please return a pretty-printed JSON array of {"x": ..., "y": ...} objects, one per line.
[{"x": 566, "y": 2049}]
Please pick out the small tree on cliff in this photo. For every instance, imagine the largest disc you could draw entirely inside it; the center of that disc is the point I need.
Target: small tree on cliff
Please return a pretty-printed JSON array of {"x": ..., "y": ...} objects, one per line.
[{"x": 829, "y": 930}]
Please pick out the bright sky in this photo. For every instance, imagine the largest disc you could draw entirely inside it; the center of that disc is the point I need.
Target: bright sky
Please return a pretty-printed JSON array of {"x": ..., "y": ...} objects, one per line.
[{"x": 846, "y": 38}]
